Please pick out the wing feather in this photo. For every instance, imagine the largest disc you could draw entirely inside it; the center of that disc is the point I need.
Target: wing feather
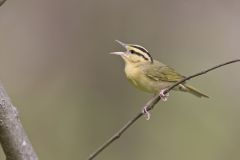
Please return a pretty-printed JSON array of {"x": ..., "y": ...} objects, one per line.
[{"x": 160, "y": 72}]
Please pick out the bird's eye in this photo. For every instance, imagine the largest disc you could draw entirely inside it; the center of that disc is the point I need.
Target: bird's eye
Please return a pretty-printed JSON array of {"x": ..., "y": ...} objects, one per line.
[{"x": 132, "y": 51}]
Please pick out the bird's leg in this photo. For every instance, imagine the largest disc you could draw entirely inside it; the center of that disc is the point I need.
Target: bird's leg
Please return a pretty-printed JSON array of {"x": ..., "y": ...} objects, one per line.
[
  {"x": 146, "y": 113},
  {"x": 163, "y": 95},
  {"x": 147, "y": 107}
]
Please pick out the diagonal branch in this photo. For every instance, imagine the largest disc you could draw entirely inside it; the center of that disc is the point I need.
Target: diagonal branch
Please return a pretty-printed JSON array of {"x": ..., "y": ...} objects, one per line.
[
  {"x": 150, "y": 105},
  {"x": 13, "y": 138},
  {"x": 2, "y": 1}
]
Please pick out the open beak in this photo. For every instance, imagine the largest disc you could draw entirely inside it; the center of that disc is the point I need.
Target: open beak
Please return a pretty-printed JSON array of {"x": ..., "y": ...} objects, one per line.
[
  {"x": 118, "y": 53},
  {"x": 122, "y": 44}
]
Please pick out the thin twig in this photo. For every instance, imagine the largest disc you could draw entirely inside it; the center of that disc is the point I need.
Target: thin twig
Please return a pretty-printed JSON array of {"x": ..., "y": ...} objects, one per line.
[
  {"x": 200, "y": 73},
  {"x": 150, "y": 105}
]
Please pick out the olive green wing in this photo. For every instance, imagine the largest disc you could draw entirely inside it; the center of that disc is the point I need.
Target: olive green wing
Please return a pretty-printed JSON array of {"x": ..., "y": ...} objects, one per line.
[{"x": 160, "y": 72}]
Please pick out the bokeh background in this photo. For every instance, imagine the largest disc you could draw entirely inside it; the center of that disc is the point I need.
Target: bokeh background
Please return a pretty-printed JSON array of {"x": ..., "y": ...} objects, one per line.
[{"x": 72, "y": 95}]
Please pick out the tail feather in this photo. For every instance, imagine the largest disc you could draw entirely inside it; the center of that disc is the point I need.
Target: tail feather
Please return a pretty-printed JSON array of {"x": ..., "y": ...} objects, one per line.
[{"x": 194, "y": 91}]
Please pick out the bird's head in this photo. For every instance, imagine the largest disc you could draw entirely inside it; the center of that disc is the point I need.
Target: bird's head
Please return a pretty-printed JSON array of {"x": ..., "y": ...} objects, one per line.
[{"x": 134, "y": 53}]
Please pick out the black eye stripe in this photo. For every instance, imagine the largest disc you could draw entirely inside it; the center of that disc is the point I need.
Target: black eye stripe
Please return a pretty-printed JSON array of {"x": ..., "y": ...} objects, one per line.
[
  {"x": 139, "y": 54},
  {"x": 143, "y": 50},
  {"x": 132, "y": 51},
  {"x": 140, "y": 48}
]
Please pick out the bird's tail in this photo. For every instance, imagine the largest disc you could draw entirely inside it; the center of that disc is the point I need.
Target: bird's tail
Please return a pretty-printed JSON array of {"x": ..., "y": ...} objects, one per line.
[{"x": 194, "y": 91}]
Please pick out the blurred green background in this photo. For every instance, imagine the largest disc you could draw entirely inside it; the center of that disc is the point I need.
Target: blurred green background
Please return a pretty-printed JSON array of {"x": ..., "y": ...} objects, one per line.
[{"x": 72, "y": 95}]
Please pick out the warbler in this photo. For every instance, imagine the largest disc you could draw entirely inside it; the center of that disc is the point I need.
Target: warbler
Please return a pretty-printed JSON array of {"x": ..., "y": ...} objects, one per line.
[{"x": 150, "y": 75}]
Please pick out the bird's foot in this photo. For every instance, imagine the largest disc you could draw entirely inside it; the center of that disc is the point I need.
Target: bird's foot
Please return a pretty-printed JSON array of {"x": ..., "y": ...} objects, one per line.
[
  {"x": 146, "y": 113},
  {"x": 163, "y": 96}
]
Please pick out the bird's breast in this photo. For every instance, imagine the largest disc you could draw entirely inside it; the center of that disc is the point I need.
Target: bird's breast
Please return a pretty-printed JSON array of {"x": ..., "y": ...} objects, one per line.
[{"x": 137, "y": 77}]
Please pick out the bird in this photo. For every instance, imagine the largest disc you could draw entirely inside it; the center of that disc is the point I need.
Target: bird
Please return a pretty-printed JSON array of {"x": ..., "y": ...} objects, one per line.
[{"x": 150, "y": 75}]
